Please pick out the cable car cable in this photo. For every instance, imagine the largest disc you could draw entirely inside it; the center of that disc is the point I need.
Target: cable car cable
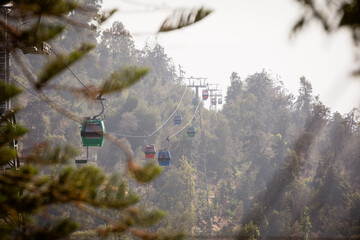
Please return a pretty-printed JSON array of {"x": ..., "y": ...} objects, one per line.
[
  {"x": 68, "y": 68},
  {"x": 130, "y": 136},
  {"x": 192, "y": 118},
  {"x": 42, "y": 99},
  {"x": 134, "y": 136},
  {"x": 162, "y": 125},
  {"x": 104, "y": 104},
  {"x": 182, "y": 97},
  {"x": 127, "y": 120},
  {"x": 68, "y": 114},
  {"x": 13, "y": 79},
  {"x": 147, "y": 135}
]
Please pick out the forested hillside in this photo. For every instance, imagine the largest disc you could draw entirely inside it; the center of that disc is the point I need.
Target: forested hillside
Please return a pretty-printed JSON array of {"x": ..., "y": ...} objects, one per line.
[{"x": 269, "y": 162}]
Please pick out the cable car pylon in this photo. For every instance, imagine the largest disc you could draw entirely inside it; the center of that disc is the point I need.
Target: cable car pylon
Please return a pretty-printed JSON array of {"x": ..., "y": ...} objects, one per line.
[
  {"x": 7, "y": 114},
  {"x": 216, "y": 98},
  {"x": 198, "y": 140}
]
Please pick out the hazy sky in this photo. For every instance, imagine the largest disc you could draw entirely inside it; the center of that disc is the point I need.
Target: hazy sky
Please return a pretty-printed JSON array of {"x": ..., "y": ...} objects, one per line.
[{"x": 247, "y": 36}]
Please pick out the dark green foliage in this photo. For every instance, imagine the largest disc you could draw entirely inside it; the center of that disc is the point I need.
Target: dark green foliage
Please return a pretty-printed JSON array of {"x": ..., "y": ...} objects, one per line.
[
  {"x": 305, "y": 223},
  {"x": 183, "y": 19},
  {"x": 350, "y": 14},
  {"x": 119, "y": 81},
  {"x": 249, "y": 232},
  {"x": 333, "y": 17},
  {"x": 46, "y": 154},
  {"x": 145, "y": 174},
  {"x": 39, "y": 33},
  {"x": 235, "y": 88},
  {"x": 100, "y": 18},
  {"x": 52, "y": 7},
  {"x": 354, "y": 213},
  {"x": 10, "y": 133},
  {"x": 151, "y": 218},
  {"x": 9, "y": 91},
  {"x": 62, "y": 229},
  {"x": 6, "y": 155},
  {"x": 65, "y": 227}
]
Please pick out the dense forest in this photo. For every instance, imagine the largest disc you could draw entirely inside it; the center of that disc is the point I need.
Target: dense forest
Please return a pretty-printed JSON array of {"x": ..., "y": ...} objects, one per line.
[{"x": 268, "y": 164}]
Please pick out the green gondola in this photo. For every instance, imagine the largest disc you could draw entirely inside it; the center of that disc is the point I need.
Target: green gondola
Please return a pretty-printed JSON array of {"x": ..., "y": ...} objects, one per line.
[
  {"x": 191, "y": 132},
  {"x": 92, "y": 133}
]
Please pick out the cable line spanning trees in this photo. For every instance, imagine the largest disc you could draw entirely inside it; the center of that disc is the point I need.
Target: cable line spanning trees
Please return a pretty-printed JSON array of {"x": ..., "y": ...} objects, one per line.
[
  {"x": 93, "y": 129},
  {"x": 164, "y": 156},
  {"x": 98, "y": 98},
  {"x": 161, "y": 125}
]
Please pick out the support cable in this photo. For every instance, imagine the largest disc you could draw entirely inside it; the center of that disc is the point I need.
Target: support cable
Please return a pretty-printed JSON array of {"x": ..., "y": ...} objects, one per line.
[
  {"x": 182, "y": 97},
  {"x": 120, "y": 135},
  {"x": 104, "y": 104},
  {"x": 162, "y": 125},
  {"x": 192, "y": 118},
  {"x": 68, "y": 68},
  {"x": 127, "y": 120},
  {"x": 47, "y": 101}
]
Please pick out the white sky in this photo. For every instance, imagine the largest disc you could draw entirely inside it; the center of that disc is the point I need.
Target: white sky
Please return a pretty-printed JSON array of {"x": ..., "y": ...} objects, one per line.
[{"x": 246, "y": 36}]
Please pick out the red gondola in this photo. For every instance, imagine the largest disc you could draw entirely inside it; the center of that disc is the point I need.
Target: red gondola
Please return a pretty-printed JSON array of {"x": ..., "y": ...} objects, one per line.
[
  {"x": 205, "y": 94},
  {"x": 150, "y": 151},
  {"x": 213, "y": 101}
]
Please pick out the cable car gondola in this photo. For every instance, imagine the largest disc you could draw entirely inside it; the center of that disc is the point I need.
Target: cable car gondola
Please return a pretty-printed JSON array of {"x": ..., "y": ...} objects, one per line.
[
  {"x": 205, "y": 94},
  {"x": 220, "y": 101},
  {"x": 92, "y": 133},
  {"x": 164, "y": 158},
  {"x": 213, "y": 101},
  {"x": 177, "y": 119},
  {"x": 150, "y": 151},
  {"x": 191, "y": 132},
  {"x": 93, "y": 129}
]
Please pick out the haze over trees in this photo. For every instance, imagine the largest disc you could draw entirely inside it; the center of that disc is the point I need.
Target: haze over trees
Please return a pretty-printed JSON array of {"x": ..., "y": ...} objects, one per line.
[{"x": 277, "y": 164}]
